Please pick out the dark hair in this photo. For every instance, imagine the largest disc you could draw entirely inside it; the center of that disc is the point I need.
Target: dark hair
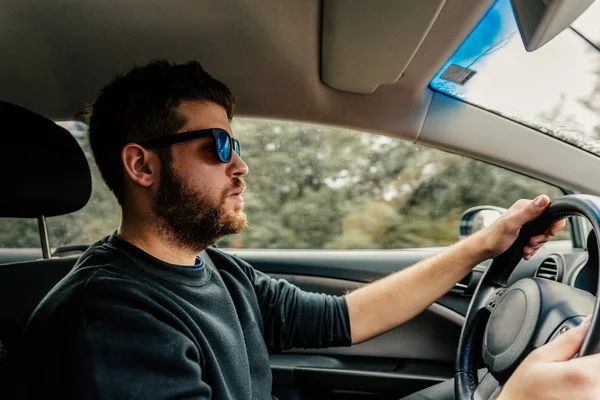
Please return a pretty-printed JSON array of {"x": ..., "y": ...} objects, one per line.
[{"x": 143, "y": 104}]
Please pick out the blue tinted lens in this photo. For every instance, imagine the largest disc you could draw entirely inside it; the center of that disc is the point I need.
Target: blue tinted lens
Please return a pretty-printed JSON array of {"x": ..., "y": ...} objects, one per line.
[
  {"x": 236, "y": 147},
  {"x": 224, "y": 146}
]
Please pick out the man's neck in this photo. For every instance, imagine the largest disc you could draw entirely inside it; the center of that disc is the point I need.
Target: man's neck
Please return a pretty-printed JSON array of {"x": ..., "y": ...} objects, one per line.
[{"x": 146, "y": 237}]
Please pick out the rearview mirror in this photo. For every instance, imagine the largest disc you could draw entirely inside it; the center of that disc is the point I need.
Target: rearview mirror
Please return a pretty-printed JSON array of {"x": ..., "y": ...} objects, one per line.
[
  {"x": 540, "y": 21},
  {"x": 477, "y": 218}
]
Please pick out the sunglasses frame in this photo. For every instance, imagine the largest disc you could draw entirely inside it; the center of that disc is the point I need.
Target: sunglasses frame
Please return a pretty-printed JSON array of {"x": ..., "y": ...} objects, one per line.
[{"x": 167, "y": 140}]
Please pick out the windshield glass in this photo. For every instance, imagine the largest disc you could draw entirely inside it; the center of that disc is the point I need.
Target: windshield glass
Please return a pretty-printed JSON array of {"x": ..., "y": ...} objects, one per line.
[
  {"x": 555, "y": 89},
  {"x": 588, "y": 24}
]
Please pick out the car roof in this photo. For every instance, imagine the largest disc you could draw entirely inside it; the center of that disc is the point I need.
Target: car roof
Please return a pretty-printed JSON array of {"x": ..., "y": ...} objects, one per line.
[{"x": 58, "y": 54}]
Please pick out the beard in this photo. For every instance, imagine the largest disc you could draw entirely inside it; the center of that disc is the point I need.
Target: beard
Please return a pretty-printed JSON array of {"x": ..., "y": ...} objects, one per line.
[{"x": 193, "y": 220}]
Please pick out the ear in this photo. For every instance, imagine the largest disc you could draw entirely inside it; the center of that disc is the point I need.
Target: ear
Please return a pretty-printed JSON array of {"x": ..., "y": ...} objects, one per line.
[{"x": 141, "y": 165}]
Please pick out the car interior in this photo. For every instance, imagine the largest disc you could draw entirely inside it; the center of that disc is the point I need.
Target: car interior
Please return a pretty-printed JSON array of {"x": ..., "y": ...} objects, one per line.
[{"x": 363, "y": 65}]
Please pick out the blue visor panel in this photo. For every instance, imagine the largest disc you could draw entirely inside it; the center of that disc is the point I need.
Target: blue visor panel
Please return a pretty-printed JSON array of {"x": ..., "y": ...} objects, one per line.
[{"x": 497, "y": 28}]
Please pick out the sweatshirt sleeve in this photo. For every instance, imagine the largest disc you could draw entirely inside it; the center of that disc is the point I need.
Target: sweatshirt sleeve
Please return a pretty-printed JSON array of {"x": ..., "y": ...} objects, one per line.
[
  {"x": 125, "y": 345},
  {"x": 295, "y": 318}
]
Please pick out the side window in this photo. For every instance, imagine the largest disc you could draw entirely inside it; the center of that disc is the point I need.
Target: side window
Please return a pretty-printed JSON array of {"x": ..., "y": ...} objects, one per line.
[
  {"x": 100, "y": 216},
  {"x": 19, "y": 233},
  {"x": 318, "y": 187}
]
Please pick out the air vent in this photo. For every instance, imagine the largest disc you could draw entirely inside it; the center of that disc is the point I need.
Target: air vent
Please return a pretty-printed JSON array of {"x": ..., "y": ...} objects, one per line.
[{"x": 549, "y": 269}]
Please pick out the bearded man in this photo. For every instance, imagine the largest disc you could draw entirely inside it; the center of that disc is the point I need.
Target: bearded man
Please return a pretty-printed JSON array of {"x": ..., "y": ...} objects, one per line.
[{"x": 153, "y": 311}]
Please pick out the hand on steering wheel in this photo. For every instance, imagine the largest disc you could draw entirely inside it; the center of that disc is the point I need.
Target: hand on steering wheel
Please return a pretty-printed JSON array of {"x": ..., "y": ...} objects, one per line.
[
  {"x": 544, "y": 374},
  {"x": 499, "y": 236},
  {"x": 504, "y": 324}
]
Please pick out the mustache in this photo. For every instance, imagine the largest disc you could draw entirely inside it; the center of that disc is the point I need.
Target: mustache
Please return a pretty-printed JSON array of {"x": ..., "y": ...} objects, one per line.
[{"x": 238, "y": 185}]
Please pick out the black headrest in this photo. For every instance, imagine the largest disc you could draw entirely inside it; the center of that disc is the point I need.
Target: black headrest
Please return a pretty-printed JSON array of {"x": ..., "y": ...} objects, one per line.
[{"x": 43, "y": 170}]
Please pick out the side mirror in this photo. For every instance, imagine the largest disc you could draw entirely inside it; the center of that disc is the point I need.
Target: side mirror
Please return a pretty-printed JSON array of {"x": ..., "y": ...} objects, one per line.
[
  {"x": 477, "y": 218},
  {"x": 540, "y": 21}
]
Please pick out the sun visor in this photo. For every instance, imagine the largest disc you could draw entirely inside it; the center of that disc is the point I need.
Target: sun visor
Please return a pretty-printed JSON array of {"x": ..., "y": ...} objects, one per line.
[
  {"x": 370, "y": 43},
  {"x": 43, "y": 170}
]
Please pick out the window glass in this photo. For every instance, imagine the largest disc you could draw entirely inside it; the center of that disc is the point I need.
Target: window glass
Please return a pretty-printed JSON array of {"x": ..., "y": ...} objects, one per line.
[
  {"x": 588, "y": 26},
  {"x": 318, "y": 187},
  {"x": 19, "y": 233},
  {"x": 555, "y": 89}
]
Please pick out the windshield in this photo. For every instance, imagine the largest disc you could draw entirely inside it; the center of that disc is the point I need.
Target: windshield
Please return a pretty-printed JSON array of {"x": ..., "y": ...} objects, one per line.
[{"x": 555, "y": 89}]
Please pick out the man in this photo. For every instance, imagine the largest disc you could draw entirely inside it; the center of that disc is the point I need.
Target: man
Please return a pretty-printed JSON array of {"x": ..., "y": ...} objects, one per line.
[{"x": 142, "y": 316}]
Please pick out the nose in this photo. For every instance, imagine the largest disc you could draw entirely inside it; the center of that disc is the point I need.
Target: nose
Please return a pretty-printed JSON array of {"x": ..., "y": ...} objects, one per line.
[{"x": 237, "y": 166}]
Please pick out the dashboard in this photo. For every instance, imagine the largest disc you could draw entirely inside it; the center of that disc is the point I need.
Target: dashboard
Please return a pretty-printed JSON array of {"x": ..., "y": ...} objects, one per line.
[{"x": 575, "y": 267}]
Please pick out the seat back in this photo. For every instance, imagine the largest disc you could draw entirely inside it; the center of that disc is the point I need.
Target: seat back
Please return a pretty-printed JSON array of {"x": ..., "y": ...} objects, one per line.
[
  {"x": 44, "y": 173},
  {"x": 22, "y": 286}
]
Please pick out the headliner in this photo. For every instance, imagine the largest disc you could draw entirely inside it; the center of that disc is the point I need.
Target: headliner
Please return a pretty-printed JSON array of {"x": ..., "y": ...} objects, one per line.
[{"x": 57, "y": 55}]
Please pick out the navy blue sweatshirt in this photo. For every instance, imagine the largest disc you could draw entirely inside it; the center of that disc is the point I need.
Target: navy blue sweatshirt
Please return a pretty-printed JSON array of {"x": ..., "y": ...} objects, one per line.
[{"x": 123, "y": 324}]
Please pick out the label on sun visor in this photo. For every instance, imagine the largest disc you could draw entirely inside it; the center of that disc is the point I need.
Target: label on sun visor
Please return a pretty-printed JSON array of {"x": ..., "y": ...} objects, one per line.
[{"x": 457, "y": 74}]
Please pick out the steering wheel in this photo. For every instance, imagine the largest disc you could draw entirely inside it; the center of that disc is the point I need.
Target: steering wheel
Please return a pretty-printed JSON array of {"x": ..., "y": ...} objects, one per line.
[{"x": 504, "y": 324}]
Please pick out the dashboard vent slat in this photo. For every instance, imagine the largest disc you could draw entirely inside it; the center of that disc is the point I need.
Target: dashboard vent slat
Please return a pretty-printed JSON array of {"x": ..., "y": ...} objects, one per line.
[{"x": 548, "y": 269}]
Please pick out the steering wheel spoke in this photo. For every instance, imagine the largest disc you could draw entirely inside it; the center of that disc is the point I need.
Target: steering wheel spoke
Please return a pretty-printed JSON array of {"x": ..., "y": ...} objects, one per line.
[{"x": 488, "y": 388}]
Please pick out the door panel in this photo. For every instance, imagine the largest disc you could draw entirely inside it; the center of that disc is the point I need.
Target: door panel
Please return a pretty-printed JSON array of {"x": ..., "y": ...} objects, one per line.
[
  {"x": 319, "y": 377},
  {"x": 411, "y": 357},
  {"x": 432, "y": 335},
  {"x": 11, "y": 255},
  {"x": 354, "y": 265}
]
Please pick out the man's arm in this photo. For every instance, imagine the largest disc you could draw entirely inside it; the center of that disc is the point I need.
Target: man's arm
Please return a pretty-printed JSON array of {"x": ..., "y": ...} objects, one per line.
[
  {"x": 295, "y": 318},
  {"x": 389, "y": 302}
]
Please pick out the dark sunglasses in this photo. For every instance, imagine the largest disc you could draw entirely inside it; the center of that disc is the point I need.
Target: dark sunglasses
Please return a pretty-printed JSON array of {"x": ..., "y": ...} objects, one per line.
[{"x": 224, "y": 143}]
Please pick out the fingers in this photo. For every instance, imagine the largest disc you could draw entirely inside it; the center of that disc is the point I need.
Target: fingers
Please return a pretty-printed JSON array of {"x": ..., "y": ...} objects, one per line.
[
  {"x": 565, "y": 346},
  {"x": 556, "y": 227},
  {"x": 519, "y": 205},
  {"x": 590, "y": 362},
  {"x": 535, "y": 243},
  {"x": 527, "y": 255},
  {"x": 530, "y": 211},
  {"x": 539, "y": 240}
]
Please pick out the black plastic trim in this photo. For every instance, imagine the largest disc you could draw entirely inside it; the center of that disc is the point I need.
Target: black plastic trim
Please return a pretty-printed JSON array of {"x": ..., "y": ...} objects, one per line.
[{"x": 320, "y": 374}]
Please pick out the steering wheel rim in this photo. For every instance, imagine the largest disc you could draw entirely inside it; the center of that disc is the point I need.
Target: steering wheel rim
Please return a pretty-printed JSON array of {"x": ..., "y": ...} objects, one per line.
[{"x": 493, "y": 287}]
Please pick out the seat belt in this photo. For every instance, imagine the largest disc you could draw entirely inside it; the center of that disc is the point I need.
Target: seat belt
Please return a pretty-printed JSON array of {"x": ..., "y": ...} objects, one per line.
[{"x": 206, "y": 258}]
